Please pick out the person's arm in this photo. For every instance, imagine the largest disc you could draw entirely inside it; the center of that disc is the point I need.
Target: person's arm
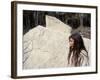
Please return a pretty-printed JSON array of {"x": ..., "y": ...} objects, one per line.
[{"x": 83, "y": 58}]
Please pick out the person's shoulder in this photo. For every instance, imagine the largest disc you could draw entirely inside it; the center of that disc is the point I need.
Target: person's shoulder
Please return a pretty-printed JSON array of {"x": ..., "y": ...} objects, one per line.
[
  {"x": 84, "y": 53},
  {"x": 84, "y": 58}
]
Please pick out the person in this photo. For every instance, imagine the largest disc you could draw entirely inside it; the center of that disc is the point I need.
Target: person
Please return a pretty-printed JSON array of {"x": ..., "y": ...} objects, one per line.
[{"x": 78, "y": 55}]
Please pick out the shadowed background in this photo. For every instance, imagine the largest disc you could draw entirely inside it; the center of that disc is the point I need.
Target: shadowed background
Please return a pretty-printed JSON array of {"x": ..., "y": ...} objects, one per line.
[{"x": 80, "y": 22}]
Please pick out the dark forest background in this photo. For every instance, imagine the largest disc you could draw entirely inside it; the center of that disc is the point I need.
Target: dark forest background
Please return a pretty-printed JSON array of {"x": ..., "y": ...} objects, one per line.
[{"x": 80, "y": 22}]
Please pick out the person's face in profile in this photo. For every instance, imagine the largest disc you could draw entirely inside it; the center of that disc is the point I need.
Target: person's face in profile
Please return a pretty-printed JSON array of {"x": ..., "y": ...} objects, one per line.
[{"x": 71, "y": 42}]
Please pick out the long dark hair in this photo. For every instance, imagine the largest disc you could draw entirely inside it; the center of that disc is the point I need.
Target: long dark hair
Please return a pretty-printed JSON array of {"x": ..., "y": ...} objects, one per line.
[{"x": 77, "y": 48}]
